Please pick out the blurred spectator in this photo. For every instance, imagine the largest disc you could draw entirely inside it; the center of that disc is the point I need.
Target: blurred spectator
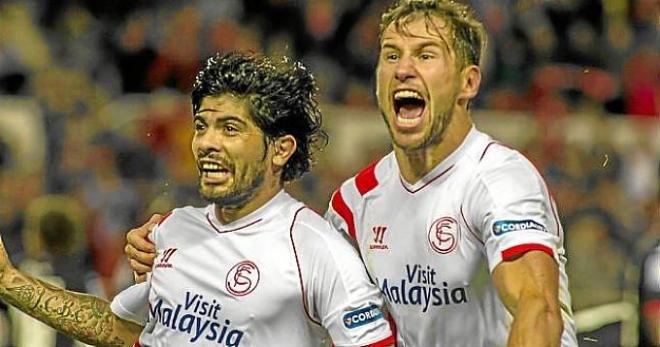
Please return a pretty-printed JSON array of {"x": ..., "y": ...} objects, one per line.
[
  {"x": 177, "y": 57},
  {"x": 134, "y": 52},
  {"x": 55, "y": 252},
  {"x": 113, "y": 207},
  {"x": 641, "y": 83}
]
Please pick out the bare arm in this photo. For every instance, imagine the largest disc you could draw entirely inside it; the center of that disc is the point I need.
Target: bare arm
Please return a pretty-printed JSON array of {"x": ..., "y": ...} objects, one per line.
[
  {"x": 529, "y": 288},
  {"x": 80, "y": 316}
]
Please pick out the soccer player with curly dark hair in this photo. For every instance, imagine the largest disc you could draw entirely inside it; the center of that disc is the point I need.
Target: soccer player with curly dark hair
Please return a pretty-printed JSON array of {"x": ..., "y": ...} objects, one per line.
[
  {"x": 253, "y": 268},
  {"x": 280, "y": 95}
]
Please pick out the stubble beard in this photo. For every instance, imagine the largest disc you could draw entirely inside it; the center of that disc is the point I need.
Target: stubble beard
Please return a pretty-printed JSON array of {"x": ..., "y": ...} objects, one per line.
[
  {"x": 435, "y": 136},
  {"x": 238, "y": 194}
]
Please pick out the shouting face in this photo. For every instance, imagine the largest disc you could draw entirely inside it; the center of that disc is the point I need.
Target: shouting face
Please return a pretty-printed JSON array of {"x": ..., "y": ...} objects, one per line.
[
  {"x": 417, "y": 81},
  {"x": 230, "y": 151}
]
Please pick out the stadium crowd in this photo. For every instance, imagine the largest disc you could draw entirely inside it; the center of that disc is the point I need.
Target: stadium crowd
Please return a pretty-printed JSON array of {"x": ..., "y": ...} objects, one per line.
[{"x": 95, "y": 119}]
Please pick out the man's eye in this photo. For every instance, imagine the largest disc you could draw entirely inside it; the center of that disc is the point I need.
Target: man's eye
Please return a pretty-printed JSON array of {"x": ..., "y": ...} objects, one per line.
[
  {"x": 391, "y": 56},
  {"x": 230, "y": 129},
  {"x": 199, "y": 126},
  {"x": 426, "y": 56}
]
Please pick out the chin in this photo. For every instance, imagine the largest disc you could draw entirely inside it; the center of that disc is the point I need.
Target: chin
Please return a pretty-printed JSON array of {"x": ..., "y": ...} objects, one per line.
[
  {"x": 211, "y": 193},
  {"x": 409, "y": 141}
]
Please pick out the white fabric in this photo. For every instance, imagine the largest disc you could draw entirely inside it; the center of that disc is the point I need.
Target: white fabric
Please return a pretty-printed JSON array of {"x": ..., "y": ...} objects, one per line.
[
  {"x": 422, "y": 242},
  {"x": 240, "y": 284},
  {"x": 130, "y": 303}
]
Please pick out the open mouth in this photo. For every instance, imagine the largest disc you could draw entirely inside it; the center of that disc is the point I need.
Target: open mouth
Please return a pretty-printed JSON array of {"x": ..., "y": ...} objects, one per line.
[
  {"x": 212, "y": 172},
  {"x": 409, "y": 107}
]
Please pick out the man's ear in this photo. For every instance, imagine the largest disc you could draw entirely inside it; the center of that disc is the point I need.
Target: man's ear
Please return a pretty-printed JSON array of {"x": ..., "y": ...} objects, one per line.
[
  {"x": 470, "y": 83},
  {"x": 283, "y": 149}
]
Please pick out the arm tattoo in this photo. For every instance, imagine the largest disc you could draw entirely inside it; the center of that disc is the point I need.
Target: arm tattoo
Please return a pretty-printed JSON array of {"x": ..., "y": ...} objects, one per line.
[{"x": 81, "y": 316}]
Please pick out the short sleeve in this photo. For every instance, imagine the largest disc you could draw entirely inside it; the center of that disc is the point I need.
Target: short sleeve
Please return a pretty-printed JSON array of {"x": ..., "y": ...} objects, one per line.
[
  {"x": 132, "y": 303},
  {"x": 338, "y": 292},
  {"x": 512, "y": 210},
  {"x": 340, "y": 215}
]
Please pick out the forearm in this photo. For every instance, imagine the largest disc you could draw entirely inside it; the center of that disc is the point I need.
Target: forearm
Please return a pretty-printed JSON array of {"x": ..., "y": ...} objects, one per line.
[
  {"x": 535, "y": 323},
  {"x": 80, "y": 316}
]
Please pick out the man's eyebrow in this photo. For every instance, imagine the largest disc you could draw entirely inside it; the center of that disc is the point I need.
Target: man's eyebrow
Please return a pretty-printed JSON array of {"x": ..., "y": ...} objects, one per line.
[
  {"x": 207, "y": 110},
  {"x": 427, "y": 43},
  {"x": 388, "y": 45},
  {"x": 422, "y": 44},
  {"x": 221, "y": 118}
]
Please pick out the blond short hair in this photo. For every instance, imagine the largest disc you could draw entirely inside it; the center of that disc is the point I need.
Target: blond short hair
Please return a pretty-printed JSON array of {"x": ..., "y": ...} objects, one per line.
[{"x": 467, "y": 34}]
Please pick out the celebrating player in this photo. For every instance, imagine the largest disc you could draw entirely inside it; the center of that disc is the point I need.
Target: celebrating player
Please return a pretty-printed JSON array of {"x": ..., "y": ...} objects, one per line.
[
  {"x": 253, "y": 268},
  {"x": 424, "y": 216}
]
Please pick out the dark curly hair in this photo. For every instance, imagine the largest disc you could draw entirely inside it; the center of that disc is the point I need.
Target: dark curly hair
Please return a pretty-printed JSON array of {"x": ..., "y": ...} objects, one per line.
[{"x": 280, "y": 94}]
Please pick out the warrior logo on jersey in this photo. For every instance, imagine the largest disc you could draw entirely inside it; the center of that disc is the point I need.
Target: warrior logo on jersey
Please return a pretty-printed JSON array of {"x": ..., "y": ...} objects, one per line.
[
  {"x": 165, "y": 260},
  {"x": 443, "y": 235},
  {"x": 243, "y": 278},
  {"x": 379, "y": 234}
]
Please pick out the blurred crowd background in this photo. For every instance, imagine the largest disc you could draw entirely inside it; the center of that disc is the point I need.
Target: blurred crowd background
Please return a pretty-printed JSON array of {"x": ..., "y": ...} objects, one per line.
[{"x": 95, "y": 125}]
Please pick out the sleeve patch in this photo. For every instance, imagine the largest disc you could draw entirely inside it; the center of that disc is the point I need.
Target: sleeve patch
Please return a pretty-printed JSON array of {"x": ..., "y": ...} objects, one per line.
[
  {"x": 504, "y": 226},
  {"x": 362, "y": 316}
]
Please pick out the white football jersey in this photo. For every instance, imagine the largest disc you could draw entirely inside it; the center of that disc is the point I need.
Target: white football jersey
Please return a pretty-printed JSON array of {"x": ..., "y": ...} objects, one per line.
[
  {"x": 422, "y": 243},
  {"x": 277, "y": 277}
]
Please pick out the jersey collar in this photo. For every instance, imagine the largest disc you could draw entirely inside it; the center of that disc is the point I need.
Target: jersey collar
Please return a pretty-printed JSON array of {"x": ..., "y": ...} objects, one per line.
[
  {"x": 441, "y": 171},
  {"x": 255, "y": 217}
]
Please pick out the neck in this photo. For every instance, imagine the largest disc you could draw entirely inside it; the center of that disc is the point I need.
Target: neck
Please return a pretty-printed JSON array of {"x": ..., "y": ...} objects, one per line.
[
  {"x": 415, "y": 164},
  {"x": 263, "y": 194}
]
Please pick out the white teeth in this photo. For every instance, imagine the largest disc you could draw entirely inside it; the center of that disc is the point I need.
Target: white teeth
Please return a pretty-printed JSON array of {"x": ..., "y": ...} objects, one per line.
[
  {"x": 211, "y": 166},
  {"x": 402, "y": 120},
  {"x": 407, "y": 94}
]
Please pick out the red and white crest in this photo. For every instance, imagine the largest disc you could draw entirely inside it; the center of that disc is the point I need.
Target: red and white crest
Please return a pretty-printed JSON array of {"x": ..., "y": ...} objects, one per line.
[
  {"x": 443, "y": 235},
  {"x": 243, "y": 278}
]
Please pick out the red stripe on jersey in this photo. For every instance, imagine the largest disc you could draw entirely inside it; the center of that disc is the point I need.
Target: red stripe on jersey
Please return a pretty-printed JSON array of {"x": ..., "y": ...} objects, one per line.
[
  {"x": 389, "y": 341},
  {"x": 366, "y": 180},
  {"x": 137, "y": 344},
  {"x": 511, "y": 252},
  {"x": 339, "y": 205},
  {"x": 165, "y": 216}
]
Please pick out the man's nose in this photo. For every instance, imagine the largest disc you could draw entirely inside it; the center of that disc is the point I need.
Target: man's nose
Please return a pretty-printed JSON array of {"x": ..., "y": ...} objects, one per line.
[
  {"x": 208, "y": 142},
  {"x": 405, "y": 69}
]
